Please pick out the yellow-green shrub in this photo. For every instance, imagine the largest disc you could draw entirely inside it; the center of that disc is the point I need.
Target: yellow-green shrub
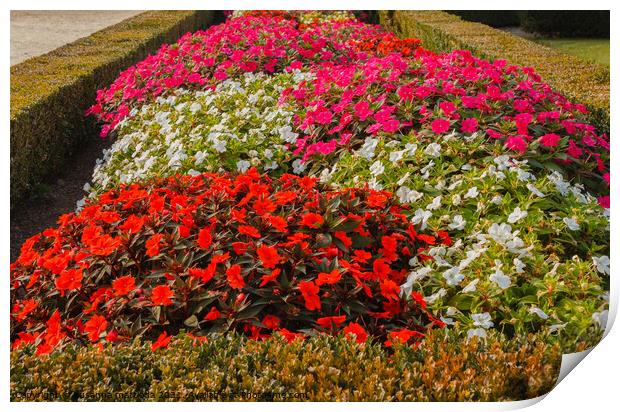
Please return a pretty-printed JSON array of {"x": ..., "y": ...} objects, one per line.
[
  {"x": 583, "y": 82},
  {"x": 50, "y": 93},
  {"x": 443, "y": 368}
]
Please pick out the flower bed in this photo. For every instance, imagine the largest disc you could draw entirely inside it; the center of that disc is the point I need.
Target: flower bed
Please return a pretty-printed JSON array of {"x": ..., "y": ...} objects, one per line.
[{"x": 454, "y": 193}]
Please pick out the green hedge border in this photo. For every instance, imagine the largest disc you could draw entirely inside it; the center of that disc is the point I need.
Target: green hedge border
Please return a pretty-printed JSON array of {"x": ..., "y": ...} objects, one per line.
[
  {"x": 579, "y": 80},
  {"x": 443, "y": 368},
  {"x": 50, "y": 93}
]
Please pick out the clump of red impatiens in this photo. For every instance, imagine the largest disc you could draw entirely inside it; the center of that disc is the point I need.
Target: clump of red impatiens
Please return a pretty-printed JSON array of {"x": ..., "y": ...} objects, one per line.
[{"x": 221, "y": 252}]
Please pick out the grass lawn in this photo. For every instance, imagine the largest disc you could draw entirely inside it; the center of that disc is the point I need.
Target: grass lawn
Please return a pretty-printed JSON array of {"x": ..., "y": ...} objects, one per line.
[{"x": 596, "y": 50}]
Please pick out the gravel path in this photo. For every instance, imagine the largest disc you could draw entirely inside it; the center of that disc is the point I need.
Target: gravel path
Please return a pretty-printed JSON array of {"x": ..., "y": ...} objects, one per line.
[{"x": 37, "y": 32}]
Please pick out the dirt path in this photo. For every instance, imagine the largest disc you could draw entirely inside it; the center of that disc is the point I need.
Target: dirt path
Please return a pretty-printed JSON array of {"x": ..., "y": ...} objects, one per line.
[
  {"x": 56, "y": 197},
  {"x": 38, "y": 32}
]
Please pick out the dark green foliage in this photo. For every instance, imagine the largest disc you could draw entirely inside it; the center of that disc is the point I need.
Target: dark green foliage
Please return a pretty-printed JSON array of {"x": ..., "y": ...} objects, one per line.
[
  {"x": 493, "y": 18},
  {"x": 567, "y": 23}
]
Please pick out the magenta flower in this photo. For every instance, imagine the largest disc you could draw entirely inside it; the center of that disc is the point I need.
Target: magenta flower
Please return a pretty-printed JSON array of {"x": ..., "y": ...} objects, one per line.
[{"x": 440, "y": 126}]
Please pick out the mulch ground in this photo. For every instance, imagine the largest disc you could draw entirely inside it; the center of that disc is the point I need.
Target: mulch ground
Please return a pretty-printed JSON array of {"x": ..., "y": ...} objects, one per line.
[{"x": 56, "y": 197}]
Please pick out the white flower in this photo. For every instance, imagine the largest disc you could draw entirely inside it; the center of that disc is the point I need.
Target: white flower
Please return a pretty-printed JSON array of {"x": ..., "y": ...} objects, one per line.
[
  {"x": 497, "y": 200},
  {"x": 406, "y": 195},
  {"x": 367, "y": 151},
  {"x": 600, "y": 318},
  {"x": 437, "y": 295},
  {"x": 421, "y": 217},
  {"x": 535, "y": 190},
  {"x": 458, "y": 223},
  {"x": 453, "y": 276},
  {"x": 287, "y": 134},
  {"x": 471, "y": 286},
  {"x": 479, "y": 332},
  {"x": 447, "y": 321},
  {"x": 298, "y": 166},
  {"x": 377, "y": 168},
  {"x": 501, "y": 233},
  {"x": 499, "y": 277},
  {"x": 194, "y": 107},
  {"x": 516, "y": 215},
  {"x": 482, "y": 320},
  {"x": 519, "y": 265},
  {"x": 435, "y": 204},
  {"x": 456, "y": 200},
  {"x": 243, "y": 166},
  {"x": 433, "y": 150},
  {"x": 602, "y": 264},
  {"x": 396, "y": 156},
  {"x": 472, "y": 193},
  {"x": 534, "y": 310},
  {"x": 571, "y": 223},
  {"x": 219, "y": 145}
]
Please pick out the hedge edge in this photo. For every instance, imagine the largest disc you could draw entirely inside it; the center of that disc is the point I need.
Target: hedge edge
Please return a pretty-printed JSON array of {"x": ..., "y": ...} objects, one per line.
[
  {"x": 322, "y": 368},
  {"x": 579, "y": 80},
  {"x": 50, "y": 93}
]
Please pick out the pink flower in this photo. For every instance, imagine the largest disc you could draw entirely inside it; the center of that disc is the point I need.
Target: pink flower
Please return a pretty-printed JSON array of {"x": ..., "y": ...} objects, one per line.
[
  {"x": 516, "y": 143},
  {"x": 469, "y": 125},
  {"x": 550, "y": 140},
  {"x": 603, "y": 201},
  {"x": 323, "y": 115},
  {"x": 522, "y": 121},
  {"x": 440, "y": 126}
]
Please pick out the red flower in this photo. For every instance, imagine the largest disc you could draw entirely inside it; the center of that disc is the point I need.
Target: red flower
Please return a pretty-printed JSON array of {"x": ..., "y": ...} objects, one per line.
[
  {"x": 269, "y": 256},
  {"x": 204, "y": 275},
  {"x": 213, "y": 314},
  {"x": 161, "y": 295},
  {"x": 390, "y": 290},
  {"x": 331, "y": 322},
  {"x": 401, "y": 336},
  {"x": 270, "y": 277},
  {"x": 310, "y": 291},
  {"x": 249, "y": 231},
  {"x": 376, "y": 200},
  {"x": 290, "y": 336},
  {"x": 428, "y": 239},
  {"x": 419, "y": 299},
  {"x": 204, "y": 238},
  {"x": 104, "y": 245},
  {"x": 153, "y": 245},
  {"x": 271, "y": 322},
  {"x": 344, "y": 238},
  {"x": 380, "y": 269},
  {"x": 312, "y": 220},
  {"x": 328, "y": 278},
  {"x": 133, "y": 224},
  {"x": 389, "y": 248},
  {"x": 95, "y": 327},
  {"x": 356, "y": 330},
  {"x": 123, "y": 285},
  {"x": 69, "y": 279},
  {"x": 361, "y": 256},
  {"x": 162, "y": 341},
  {"x": 20, "y": 312},
  {"x": 235, "y": 280}
]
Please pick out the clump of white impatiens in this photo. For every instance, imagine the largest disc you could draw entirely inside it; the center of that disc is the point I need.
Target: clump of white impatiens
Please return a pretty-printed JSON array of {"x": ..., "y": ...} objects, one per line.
[
  {"x": 530, "y": 249},
  {"x": 237, "y": 125}
]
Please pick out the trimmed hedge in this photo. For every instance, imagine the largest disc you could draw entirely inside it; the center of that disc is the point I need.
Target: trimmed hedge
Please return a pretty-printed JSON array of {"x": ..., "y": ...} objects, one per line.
[
  {"x": 581, "y": 81},
  {"x": 50, "y": 93},
  {"x": 443, "y": 368}
]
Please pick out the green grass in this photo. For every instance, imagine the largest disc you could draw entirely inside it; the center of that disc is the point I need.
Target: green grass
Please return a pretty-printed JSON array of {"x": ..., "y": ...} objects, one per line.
[{"x": 596, "y": 50}]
